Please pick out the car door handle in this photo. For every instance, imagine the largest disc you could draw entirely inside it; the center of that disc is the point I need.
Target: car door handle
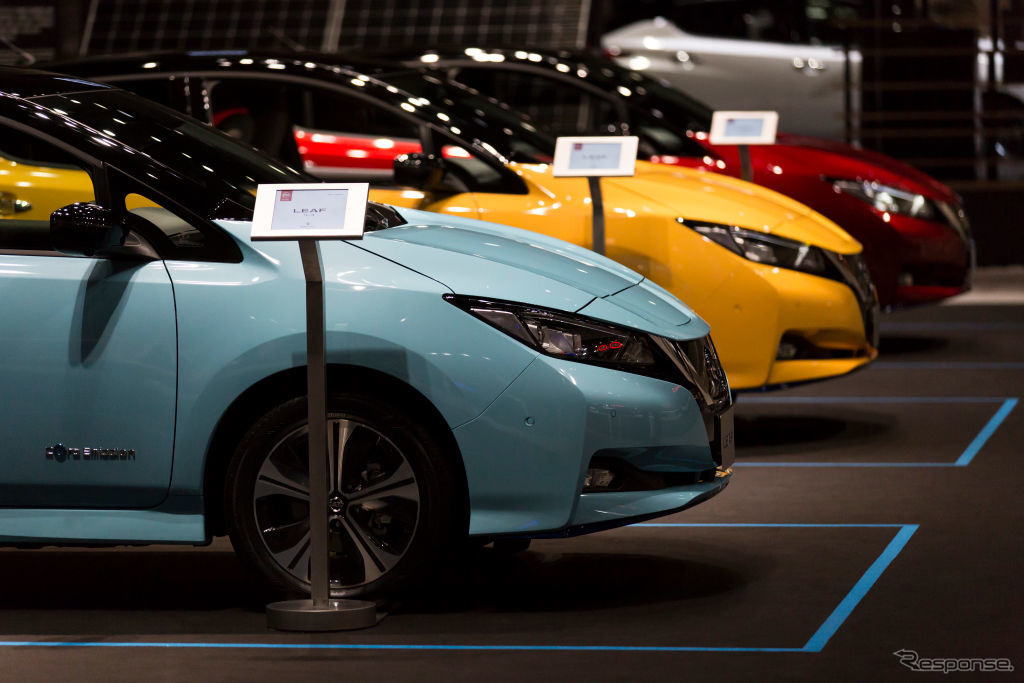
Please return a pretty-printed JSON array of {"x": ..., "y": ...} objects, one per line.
[
  {"x": 688, "y": 58},
  {"x": 10, "y": 205},
  {"x": 809, "y": 64}
]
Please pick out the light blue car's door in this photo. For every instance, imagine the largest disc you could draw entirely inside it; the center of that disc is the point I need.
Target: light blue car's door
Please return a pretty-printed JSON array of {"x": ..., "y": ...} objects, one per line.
[
  {"x": 87, "y": 363},
  {"x": 88, "y": 371}
]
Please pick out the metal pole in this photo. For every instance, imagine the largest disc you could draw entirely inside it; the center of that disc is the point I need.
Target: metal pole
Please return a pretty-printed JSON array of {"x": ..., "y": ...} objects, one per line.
[
  {"x": 597, "y": 204},
  {"x": 332, "y": 32},
  {"x": 316, "y": 380},
  {"x": 582, "y": 28},
  {"x": 320, "y": 613},
  {"x": 995, "y": 35},
  {"x": 847, "y": 87},
  {"x": 746, "y": 172},
  {"x": 90, "y": 22}
]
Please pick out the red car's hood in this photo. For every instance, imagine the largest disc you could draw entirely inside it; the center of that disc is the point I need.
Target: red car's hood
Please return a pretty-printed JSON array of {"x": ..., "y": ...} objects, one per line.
[{"x": 861, "y": 163}]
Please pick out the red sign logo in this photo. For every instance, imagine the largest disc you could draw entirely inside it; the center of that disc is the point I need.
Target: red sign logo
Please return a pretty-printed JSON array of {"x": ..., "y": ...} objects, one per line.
[
  {"x": 577, "y": 145},
  {"x": 286, "y": 195}
]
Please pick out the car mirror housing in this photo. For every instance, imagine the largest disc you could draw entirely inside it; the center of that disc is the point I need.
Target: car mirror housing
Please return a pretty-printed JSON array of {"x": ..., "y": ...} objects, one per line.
[
  {"x": 85, "y": 229},
  {"x": 422, "y": 171}
]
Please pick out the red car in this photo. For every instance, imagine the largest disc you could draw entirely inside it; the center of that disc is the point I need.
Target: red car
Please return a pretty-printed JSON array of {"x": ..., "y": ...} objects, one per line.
[
  {"x": 328, "y": 154},
  {"x": 915, "y": 234}
]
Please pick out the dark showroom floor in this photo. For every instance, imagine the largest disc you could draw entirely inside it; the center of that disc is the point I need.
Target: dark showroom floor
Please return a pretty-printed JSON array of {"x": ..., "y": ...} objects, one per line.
[{"x": 877, "y": 513}]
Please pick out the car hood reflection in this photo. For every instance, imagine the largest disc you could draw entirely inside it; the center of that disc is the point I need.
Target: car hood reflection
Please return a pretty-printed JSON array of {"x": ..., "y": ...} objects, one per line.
[{"x": 475, "y": 256}]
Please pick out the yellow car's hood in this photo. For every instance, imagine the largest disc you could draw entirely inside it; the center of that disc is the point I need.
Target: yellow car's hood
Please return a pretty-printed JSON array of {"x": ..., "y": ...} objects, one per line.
[{"x": 700, "y": 195}]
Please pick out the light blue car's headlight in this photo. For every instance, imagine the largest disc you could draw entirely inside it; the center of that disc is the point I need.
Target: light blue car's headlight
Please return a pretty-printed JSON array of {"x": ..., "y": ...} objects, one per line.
[
  {"x": 761, "y": 248},
  {"x": 567, "y": 336},
  {"x": 693, "y": 363},
  {"x": 887, "y": 198}
]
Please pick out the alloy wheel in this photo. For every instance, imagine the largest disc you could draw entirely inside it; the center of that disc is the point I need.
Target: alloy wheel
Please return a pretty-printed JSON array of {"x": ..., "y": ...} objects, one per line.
[{"x": 373, "y": 506}]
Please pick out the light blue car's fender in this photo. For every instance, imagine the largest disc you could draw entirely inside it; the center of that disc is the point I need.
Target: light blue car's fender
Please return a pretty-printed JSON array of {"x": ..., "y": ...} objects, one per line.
[{"x": 237, "y": 330}]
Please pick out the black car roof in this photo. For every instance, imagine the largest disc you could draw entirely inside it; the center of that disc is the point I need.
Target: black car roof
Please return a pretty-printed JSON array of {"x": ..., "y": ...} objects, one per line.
[
  {"x": 34, "y": 99},
  {"x": 338, "y": 70},
  {"x": 538, "y": 59},
  {"x": 25, "y": 83},
  {"x": 168, "y": 60},
  {"x": 598, "y": 72},
  {"x": 319, "y": 66}
]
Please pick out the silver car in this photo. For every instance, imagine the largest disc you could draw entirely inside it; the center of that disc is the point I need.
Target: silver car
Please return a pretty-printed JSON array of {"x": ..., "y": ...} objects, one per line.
[{"x": 752, "y": 57}]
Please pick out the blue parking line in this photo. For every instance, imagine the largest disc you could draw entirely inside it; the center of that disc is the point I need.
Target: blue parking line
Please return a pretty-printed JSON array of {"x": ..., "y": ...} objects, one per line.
[
  {"x": 759, "y": 398},
  {"x": 818, "y": 641},
  {"x": 972, "y": 450},
  {"x": 859, "y": 590},
  {"x": 1007, "y": 405},
  {"x": 389, "y": 646},
  {"x": 845, "y": 464},
  {"x": 944, "y": 365},
  {"x": 770, "y": 524},
  {"x": 951, "y": 326}
]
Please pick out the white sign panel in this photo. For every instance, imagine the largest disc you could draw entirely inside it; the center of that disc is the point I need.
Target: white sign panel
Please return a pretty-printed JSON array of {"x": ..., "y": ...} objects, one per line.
[
  {"x": 309, "y": 211},
  {"x": 613, "y": 155},
  {"x": 743, "y": 127}
]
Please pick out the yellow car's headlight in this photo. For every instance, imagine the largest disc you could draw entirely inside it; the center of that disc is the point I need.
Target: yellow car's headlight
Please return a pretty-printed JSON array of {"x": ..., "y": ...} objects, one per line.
[{"x": 761, "y": 248}]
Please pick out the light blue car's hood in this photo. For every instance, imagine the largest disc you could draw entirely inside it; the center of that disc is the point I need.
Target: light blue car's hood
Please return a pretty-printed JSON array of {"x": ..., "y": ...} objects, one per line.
[
  {"x": 482, "y": 259},
  {"x": 490, "y": 260}
]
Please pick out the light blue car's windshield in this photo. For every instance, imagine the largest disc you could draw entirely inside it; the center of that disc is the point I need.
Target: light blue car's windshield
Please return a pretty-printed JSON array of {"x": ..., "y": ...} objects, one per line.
[{"x": 195, "y": 151}]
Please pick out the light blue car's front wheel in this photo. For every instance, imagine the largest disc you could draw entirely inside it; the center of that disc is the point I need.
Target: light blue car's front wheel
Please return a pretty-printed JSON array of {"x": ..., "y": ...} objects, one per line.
[{"x": 391, "y": 493}]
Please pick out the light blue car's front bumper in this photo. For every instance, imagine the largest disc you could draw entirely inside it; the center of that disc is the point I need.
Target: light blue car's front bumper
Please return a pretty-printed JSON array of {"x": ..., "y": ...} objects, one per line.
[{"x": 528, "y": 453}]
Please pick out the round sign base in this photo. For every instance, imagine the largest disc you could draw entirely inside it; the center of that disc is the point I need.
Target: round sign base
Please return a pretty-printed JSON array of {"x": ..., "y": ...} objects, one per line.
[{"x": 336, "y": 615}]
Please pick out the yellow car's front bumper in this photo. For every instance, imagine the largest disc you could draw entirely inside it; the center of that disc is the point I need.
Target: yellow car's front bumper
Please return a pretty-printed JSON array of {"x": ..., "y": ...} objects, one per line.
[{"x": 775, "y": 326}]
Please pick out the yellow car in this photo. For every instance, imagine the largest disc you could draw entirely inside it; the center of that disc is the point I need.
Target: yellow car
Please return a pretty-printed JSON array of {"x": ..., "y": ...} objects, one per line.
[
  {"x": 32, "y": 193},
  {"x": 785, "y": 290}
]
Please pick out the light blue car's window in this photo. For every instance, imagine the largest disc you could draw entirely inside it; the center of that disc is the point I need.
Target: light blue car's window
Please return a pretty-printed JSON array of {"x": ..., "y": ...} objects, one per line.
[
  {"x": 36, "y": 179},
  {"x": 177, "y": 229}
]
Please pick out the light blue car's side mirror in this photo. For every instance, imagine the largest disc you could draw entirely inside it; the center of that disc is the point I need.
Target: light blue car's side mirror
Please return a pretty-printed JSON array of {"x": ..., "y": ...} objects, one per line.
[{"x": 85, "y": 229}]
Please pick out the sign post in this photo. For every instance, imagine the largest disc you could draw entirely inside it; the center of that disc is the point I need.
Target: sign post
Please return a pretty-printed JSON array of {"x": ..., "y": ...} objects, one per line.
[
  {"x": 307, "y": 213},
  {"x": 744, "y": 128},
  {"x": 592, "y": 158}
]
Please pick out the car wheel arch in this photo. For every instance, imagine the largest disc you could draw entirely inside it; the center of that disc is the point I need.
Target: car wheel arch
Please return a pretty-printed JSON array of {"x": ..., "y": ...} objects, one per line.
[{"x": 272, "y": 390}]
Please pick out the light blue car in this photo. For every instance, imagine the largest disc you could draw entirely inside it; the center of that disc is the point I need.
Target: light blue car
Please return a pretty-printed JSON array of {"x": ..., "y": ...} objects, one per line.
[{"x": 483, "y": 380}]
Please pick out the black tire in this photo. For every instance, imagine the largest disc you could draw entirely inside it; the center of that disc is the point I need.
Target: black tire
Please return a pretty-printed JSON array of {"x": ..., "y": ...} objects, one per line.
[{"x": 399, "y": 498}]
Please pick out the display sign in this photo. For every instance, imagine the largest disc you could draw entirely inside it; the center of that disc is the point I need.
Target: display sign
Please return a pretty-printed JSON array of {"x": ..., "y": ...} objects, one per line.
[
  {"x": 309, "y": 211},
  {"x": 595, "y": 156},
  {"x": 743, "y": 127}
]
